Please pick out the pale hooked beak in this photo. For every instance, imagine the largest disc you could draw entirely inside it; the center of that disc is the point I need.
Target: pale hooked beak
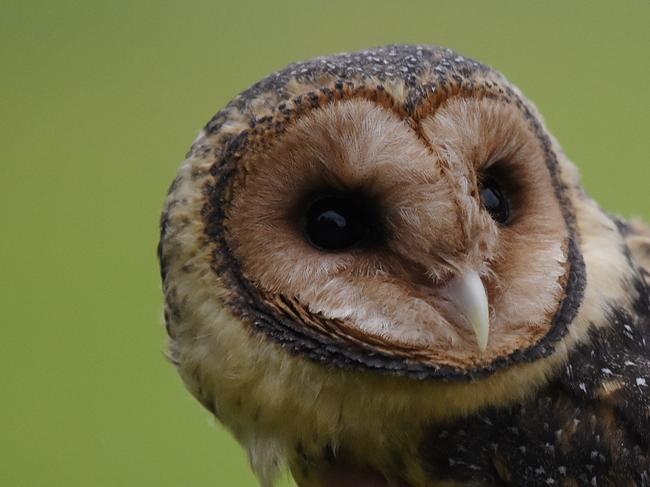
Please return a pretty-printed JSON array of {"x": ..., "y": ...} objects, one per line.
[{"x": 467, "y": 294}]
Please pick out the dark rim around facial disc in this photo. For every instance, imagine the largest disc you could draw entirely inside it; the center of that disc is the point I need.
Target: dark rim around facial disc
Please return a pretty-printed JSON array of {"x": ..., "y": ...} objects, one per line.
[{"x": 453, "y": 76}]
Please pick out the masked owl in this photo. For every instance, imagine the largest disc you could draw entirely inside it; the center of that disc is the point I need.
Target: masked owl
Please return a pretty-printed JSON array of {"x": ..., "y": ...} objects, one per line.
[{"x": 379, "y": 268}]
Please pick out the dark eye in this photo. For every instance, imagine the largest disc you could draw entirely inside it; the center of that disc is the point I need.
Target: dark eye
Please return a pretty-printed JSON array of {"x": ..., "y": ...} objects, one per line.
[
  {"x": 494, "y": 201},
  {"x": 336, "y": 223}
]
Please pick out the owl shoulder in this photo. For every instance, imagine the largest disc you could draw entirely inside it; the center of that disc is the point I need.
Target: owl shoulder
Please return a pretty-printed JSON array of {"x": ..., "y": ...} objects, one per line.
[{"x": 612, "y": 369}]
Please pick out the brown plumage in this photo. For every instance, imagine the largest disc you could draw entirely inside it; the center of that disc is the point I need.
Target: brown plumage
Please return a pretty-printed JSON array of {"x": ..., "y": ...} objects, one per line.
[{"x": 380, "y": 265}]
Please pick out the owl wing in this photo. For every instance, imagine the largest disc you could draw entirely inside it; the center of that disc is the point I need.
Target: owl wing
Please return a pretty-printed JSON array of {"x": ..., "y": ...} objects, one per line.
[{"x": 611, "y": 372}]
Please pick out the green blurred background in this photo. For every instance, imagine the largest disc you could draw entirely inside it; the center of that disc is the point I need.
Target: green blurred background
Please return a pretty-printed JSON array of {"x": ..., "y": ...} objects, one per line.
[{"x": 100, "y": 100}]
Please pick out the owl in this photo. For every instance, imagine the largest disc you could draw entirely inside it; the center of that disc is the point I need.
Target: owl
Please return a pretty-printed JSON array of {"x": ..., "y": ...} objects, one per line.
[{"x": 379, "y": 268}]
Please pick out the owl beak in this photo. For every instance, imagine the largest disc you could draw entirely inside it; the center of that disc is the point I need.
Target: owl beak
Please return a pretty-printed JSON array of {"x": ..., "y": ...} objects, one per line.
[{"x": 467, "y": 293}]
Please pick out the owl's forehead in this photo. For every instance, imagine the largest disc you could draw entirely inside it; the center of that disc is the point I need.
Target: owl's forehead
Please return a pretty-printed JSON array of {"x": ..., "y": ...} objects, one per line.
[{"x": 410, "y": 80}]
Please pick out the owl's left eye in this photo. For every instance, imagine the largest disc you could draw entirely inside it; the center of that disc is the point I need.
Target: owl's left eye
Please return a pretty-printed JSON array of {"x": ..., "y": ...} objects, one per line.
[{"x": 494, "y": 200}]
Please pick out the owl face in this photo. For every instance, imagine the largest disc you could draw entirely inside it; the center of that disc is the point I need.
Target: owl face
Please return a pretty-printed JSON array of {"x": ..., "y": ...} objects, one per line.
[
  {"x": 369, "y": 241},
  {"x": 439, "y": 239},
  {"x": 422, "y": 232}
]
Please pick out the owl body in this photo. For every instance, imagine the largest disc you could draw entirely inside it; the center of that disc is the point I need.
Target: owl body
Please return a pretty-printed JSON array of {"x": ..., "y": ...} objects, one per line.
[{"x": 380, "y": 267}]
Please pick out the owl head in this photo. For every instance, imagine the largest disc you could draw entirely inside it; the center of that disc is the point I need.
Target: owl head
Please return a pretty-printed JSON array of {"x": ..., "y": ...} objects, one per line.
[{"x": 364, "y": 243}]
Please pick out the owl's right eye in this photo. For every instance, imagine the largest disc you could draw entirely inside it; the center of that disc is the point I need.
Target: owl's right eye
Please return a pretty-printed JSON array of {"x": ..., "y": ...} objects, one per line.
[
  {"x": 336, "y": 222},
  {"x": 494, "y": 200}
]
